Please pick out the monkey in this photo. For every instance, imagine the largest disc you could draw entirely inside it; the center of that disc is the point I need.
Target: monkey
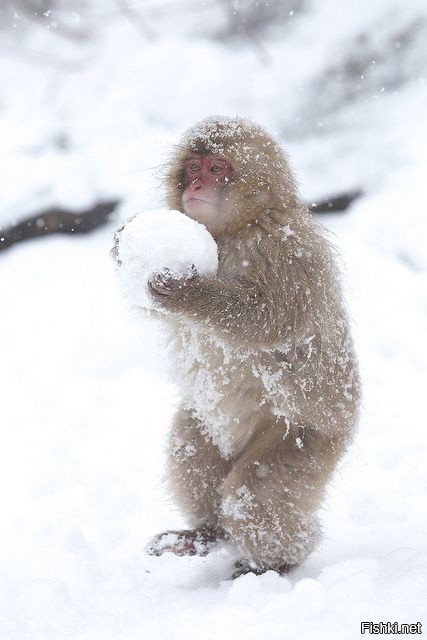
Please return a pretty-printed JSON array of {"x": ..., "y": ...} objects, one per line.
[{"x": 262, "y": 353}]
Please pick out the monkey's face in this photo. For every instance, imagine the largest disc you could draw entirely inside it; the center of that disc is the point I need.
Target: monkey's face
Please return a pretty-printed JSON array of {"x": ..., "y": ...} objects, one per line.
[{"x": 204, "y": 196}]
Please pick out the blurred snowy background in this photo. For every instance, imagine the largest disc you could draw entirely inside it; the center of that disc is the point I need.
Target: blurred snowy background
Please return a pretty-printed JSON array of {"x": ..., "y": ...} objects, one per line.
[{"x": 92, "y": 95}]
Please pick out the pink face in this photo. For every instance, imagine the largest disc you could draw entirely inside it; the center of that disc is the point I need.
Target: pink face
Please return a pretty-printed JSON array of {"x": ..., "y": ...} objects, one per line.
[{"x": 205, "y": 178}]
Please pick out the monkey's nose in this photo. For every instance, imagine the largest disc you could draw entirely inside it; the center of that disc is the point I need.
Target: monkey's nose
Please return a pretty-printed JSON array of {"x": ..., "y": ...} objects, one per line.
[{"x": 195, "y": 184}]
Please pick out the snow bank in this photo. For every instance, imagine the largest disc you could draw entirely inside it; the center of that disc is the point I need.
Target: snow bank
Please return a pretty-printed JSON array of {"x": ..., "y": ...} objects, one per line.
[{"x": 155, "y": 240}]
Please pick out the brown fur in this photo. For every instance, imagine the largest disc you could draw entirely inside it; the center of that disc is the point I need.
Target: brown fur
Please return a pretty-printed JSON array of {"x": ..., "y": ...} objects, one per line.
[{"x": 263, "y": 356}]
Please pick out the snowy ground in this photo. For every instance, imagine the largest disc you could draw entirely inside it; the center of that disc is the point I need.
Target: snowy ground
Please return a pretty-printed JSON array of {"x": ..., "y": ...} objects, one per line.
[{"x": 85, "y": 404}]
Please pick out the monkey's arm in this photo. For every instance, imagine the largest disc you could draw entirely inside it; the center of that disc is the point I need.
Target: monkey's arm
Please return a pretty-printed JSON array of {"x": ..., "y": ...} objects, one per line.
[
  {"x": 235, "y": 310},
  {"x": 263, "y": 312}
]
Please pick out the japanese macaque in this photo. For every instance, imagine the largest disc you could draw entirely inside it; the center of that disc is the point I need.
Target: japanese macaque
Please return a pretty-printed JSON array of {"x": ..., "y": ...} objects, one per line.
[{"x": 262, "y": 355}]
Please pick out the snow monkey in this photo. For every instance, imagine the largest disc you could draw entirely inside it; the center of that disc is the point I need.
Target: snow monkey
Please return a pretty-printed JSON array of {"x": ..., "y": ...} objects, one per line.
[{"x": 262, "y": 353}]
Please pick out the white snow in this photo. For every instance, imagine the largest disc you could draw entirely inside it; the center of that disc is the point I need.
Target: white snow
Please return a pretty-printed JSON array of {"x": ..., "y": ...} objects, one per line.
[
  {"x": 162, "y": 239},
  {"x": 85, "y": 404}
]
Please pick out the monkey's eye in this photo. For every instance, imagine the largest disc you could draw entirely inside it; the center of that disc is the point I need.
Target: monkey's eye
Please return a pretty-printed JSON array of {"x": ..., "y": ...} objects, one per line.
[
  {"x": 217, "y": 168},
  {"x": 194, "y": 167}
]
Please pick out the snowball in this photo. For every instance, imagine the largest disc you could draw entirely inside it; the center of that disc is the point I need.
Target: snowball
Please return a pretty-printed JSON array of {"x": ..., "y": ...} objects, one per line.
[{"x": 157, "y": 239}]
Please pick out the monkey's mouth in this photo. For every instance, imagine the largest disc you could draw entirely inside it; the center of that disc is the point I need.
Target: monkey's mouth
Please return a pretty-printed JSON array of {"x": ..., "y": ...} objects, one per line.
[{"x": 199, "y": 200}]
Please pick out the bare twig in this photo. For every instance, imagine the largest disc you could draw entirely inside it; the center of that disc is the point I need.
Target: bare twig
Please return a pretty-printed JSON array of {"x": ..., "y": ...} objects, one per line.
[
  {"x": 239, "y": 26},
  {"x": 135, "y": 18}
]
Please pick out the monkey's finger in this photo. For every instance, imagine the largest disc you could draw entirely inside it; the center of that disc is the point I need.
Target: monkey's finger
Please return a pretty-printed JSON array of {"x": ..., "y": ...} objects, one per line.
[
  {"x": 160, "y": 284},
  {"x": 192, "y": 272},
  {"x": 160, "y": 292}
]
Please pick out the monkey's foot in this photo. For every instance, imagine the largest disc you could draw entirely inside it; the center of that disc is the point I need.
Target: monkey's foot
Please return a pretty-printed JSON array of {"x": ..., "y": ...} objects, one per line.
[
  {"x": 242, "y": 567},
  {"x": 188, "y": 542}
]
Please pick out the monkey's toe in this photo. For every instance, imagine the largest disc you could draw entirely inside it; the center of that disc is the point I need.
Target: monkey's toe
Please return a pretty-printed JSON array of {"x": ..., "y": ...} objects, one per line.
[{"x": 242, "y": 567}]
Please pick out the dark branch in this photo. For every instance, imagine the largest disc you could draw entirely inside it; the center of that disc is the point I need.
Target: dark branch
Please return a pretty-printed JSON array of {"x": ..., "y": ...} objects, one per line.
[
  {"x": 61, "y": 221},
  {"x": 336, "y": 203},
  {"x": 57, "y": 221}
]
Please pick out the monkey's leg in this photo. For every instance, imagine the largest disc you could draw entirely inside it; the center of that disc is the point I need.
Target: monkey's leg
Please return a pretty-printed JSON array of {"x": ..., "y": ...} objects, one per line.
[
  {"x": 272, "y": 494},
  {"x": 195, "y": 472}
]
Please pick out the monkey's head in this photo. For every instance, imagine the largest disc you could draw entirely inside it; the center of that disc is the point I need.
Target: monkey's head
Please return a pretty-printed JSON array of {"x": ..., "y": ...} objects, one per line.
[{"x": 227, "y": 173}]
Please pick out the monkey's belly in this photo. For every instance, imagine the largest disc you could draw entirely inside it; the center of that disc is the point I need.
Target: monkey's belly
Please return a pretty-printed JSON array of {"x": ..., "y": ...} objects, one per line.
[
  {"x": 232, "y": 391},
  {"x": 217, "y": 384}
]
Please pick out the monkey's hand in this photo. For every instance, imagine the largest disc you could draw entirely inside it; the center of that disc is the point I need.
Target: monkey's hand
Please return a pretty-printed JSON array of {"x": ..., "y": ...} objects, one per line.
[{"x": 168, "y": 288}]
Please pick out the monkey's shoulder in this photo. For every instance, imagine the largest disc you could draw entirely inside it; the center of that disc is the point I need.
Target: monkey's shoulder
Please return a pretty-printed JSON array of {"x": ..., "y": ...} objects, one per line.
[{"x": 272, "y": 251}]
